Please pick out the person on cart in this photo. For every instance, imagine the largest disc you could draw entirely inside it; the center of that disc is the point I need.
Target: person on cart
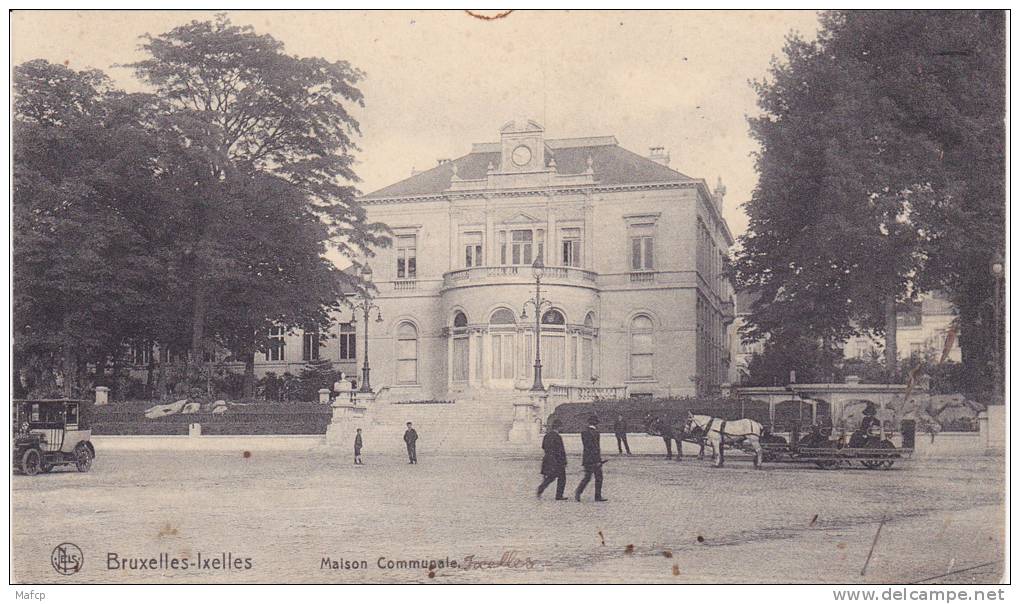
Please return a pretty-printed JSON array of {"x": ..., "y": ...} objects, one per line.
[{"x": 869, "y": 421}]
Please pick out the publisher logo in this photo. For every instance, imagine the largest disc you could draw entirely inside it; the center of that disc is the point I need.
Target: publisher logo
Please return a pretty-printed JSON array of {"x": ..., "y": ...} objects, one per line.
[{"x": 67, "y": 558}]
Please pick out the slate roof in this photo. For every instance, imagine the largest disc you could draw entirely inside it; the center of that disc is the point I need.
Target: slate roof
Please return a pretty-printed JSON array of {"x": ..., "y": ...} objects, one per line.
[{"x": 611, "y": 163}]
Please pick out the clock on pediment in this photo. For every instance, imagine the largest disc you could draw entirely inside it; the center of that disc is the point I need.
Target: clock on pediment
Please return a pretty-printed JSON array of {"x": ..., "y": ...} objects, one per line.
[{"x": 523, "y": 147}]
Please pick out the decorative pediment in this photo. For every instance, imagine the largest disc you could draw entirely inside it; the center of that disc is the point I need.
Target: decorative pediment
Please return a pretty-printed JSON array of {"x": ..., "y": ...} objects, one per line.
[{"x": 521, "y": 218}]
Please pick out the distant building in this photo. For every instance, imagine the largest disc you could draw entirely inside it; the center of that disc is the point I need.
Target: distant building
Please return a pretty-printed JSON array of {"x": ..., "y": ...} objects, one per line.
[{"x": 920, "y": 331}]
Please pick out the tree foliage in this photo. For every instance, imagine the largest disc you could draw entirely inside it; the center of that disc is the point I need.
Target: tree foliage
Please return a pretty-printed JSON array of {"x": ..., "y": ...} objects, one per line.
[
  {"x": 881, "y": 175},
  {"x": 208, "y": 204}
]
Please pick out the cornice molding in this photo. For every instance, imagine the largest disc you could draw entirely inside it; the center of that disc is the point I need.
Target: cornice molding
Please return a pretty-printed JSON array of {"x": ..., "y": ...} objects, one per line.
[{"x": 548, "y": 191}]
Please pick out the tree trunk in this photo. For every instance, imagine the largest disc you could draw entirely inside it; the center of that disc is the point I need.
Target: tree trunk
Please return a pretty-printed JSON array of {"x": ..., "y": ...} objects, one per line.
[
  {"x": 195, "y": 356},
  {"x": 68, "y": 365},
  {"x": 248, "y": 384},
  {"x": 891, "y": 354}
]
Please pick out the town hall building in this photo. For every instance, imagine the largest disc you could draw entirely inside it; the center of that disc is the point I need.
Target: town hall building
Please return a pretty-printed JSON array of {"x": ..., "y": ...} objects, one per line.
[{"x": 634, "y": 299}]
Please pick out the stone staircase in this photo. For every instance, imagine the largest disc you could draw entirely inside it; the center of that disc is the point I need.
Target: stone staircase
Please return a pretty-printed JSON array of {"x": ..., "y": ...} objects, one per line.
[{"x": 480, "y": 420}]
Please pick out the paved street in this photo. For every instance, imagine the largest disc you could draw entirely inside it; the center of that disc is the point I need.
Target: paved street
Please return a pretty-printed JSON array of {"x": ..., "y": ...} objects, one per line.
[{"x": 665, "y": 522}]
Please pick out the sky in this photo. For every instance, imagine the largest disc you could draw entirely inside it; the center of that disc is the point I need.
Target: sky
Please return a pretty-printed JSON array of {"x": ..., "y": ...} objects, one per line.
[{"x": 438, "y": 81}]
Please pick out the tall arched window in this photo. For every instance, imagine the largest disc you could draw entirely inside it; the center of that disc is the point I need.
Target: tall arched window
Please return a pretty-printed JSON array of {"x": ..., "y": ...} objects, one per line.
[
  {"x": 502, "y": 333},
  {"x": 641, "y": 348},
  {"x": 407, "y": 353},
  {"x": 461, "y": 359},
  {"x": 554, "y": 338}
]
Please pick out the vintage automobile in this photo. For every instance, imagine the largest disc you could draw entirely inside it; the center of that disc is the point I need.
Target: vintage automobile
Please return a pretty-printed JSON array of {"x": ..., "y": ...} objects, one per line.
[{"x": 49, "y": 433}]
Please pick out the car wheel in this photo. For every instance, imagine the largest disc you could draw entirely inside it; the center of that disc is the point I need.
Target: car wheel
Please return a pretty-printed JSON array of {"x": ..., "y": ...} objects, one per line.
[
  {"x": 45, "y": 467},
  {"x": 31, "y": 462},
  {"x": 82, "y": 457}
]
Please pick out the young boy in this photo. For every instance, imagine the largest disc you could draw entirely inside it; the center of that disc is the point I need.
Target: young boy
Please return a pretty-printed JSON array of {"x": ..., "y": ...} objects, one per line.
[{"x": 357, "y": 449}]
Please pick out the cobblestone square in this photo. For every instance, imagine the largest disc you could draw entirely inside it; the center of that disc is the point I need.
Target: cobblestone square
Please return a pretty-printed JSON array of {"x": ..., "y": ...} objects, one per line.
[{"x": 665, "y": 521}]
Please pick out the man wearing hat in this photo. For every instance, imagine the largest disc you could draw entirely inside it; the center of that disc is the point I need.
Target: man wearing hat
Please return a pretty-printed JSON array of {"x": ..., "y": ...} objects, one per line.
[
  {"x": 554, "y": 462},
  {"x": 591, "y": 459}
]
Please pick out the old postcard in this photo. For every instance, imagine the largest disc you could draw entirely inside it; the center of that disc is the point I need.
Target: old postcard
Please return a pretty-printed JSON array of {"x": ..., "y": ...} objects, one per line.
[{"x": 487, "y": 297}]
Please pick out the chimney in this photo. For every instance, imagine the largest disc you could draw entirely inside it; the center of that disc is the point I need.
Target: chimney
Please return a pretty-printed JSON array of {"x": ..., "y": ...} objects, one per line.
[
  {"x": 719, "y": 193},
  {"x": 659, "y": 155}
]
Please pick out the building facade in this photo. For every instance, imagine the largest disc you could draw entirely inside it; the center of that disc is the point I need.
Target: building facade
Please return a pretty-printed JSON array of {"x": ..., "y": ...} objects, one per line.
[
  {"x": 922, "y": 331},
  {"x": 634, "y": 298}
]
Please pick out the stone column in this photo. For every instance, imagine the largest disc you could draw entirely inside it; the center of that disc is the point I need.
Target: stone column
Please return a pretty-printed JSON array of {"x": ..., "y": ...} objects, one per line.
[
  {"x": 347, "y": 418},
  {"x": 527, "y": 424},
  {"x": 102, "y": 395}
]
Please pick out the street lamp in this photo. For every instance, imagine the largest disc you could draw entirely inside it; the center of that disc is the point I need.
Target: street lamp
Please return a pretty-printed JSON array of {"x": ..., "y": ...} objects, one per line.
[
  {"x": 537, "y": 269},
  {"x": 999, "y": 274},
  {"x": 366, "y": 307}
]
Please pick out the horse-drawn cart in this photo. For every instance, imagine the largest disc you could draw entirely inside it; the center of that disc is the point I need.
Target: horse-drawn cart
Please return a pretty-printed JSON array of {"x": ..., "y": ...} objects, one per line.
[{"x": 871, "y": 451}]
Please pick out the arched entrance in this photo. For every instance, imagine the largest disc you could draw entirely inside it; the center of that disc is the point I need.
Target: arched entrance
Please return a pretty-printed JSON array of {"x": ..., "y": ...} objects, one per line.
[{"x": 502, "y": 347}]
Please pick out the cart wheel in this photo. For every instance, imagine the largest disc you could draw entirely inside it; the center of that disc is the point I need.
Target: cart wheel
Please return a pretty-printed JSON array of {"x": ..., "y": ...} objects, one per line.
[
  {"x": 45, "y": 467},
  {"x": 888, "y": 464},
  {"x": 31, "y": 462},
  {"x": 82, "y": 458},
  {"x": 872, "y": 464}
]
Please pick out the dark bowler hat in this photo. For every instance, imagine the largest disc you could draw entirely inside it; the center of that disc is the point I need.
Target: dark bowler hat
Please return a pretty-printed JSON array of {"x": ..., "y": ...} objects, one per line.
[
  {"x": 593, "y": 420},
  {"x": 557, "y": 424}
]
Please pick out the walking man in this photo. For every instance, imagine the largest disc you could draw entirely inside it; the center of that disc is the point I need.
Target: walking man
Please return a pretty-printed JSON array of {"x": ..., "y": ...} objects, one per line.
[
  {"x": 357, "y": 448},
  {"x": 554, "y": 462},
  {"x": 591, "y": 459},
  {"x": 620, "y": 429},
  {"x": 410, "y": 439}
]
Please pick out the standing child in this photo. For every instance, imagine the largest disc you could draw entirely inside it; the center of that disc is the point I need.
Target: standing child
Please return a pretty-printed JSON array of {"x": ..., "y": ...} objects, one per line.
[{"x": 357, "y": 449}]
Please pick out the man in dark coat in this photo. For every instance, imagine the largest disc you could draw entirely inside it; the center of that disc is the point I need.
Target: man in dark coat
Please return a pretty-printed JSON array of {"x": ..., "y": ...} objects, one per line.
[
  {"x": 591, "y": 460},
  {"x": 620, "y": 430},
  {"x": 554, "y": 462},
  {"x": 357, "y": 448},
  {"x": 411, "y": 439}
]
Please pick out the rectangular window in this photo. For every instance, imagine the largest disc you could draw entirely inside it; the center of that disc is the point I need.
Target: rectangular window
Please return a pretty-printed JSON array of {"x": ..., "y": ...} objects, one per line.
[
  {"x": 552, "y": 355},
  {"x": 277, "y": 345},
  {"x": 641, "y": 355},
  {"x": 641, "y": 253},
  {"x": 460, "y": 359},
  {"x": 570, "y": 244},
  {"x": 502, "y": 247},
  {"x": 407, "y": 361},
  {"x": 141, "y": 353},
  {"x": 348, "y": 342},
  {"x": 472, "y": 243},
  {"x": 310, "y": 346},
  {"x": 520, "y": 248},
  {"x": 407, "y": 257}
]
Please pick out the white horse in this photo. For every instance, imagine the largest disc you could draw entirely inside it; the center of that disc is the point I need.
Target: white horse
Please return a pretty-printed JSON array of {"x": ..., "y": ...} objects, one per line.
[{"x": 718, "y": 432}]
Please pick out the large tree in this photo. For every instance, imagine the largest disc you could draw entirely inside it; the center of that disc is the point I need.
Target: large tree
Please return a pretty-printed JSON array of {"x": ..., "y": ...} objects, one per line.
[
  {"x": 853, "y": 213},
  {"x": 282, "y": 279},
  {"x": 82, "y": 267},
  {"x": 254, "y": 110}
]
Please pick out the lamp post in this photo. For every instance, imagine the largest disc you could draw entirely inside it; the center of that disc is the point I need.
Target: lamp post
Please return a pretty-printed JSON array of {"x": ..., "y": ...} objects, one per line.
[
  {"x": 537, "y": 269},
  {"x": 366, "y": 307},
  {"x": 999, "y": 274}
]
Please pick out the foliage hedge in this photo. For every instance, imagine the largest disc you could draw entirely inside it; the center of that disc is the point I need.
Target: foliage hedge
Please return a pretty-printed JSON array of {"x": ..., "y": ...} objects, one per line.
[{"x": 128, "y": 418}]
